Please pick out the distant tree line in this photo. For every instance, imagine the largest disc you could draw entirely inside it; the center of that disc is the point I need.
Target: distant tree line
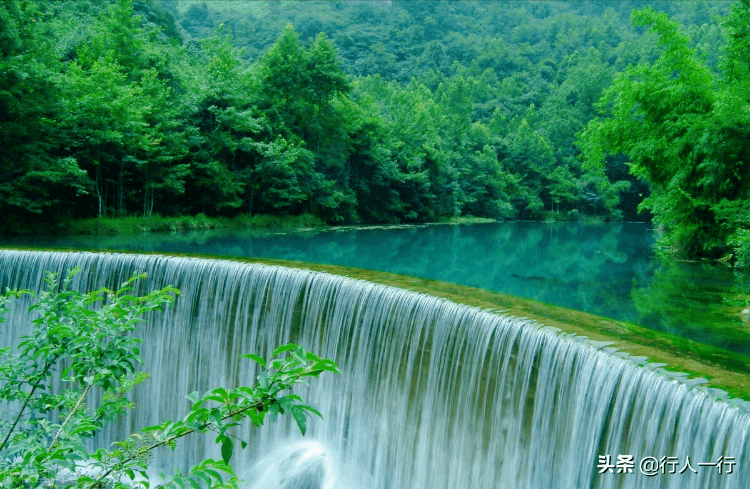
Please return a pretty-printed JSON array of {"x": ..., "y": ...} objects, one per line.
[{"x": 354, "y": 112}]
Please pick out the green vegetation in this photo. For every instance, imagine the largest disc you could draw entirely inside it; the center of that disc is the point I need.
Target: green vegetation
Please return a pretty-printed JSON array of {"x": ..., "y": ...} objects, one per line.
[
  {"x": 87, "y": 337},
  {"x": 137, "y": 225},
  {"x": 160, "y": 224},
  {"x": 378, "y": 112},
  {"x": 685, "y": 129},
  {"x": 468, "y": 220}
]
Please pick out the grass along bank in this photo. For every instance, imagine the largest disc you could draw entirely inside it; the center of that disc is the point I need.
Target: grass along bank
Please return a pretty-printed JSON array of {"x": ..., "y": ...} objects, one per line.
[{"x": 156, "y": 224}]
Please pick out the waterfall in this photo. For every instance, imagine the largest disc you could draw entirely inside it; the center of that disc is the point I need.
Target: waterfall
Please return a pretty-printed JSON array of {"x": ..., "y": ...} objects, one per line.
[{"x": 433, "y": 394}]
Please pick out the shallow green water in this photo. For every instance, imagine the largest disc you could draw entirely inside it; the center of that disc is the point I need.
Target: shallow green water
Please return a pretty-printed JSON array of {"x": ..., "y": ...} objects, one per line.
[{"x": 606, "y": 269}]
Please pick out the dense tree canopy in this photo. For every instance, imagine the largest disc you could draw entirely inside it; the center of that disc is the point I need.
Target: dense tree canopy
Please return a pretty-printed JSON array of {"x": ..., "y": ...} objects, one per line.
[{"x": 371, "y": 112}]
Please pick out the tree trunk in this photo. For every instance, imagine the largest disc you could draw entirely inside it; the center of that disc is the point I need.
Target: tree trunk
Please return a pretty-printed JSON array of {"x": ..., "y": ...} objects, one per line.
[
  {"x": 119, "y": 197},
  {"x": 98, "y": 189}
]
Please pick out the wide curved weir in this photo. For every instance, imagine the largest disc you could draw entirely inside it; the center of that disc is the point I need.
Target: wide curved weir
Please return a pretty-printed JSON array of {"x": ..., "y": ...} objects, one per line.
[{"x": 433, "y": 394}]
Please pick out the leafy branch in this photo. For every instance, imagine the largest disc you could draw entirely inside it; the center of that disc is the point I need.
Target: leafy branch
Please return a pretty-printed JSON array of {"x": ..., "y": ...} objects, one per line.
[
  {"x": 220, "y": 409},
  {"x": 87, "y": 338}
]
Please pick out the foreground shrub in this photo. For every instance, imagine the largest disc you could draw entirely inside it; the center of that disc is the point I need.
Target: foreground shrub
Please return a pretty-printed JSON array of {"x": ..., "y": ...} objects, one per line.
[{"x": 88, "y": 337}]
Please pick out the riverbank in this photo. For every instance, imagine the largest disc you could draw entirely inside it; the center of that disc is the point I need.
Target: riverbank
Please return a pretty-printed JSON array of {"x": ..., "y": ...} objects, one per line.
[
  {"x": 723, "y": 369},
  {"x": 157, "y": 224}
]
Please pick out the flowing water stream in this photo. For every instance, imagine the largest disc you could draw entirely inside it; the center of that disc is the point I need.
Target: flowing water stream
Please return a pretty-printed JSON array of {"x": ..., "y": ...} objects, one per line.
[{"x": 433, "y": 394}]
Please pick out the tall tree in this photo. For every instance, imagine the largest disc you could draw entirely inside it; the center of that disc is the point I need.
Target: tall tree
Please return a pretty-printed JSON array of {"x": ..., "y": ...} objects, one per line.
[
  {"x": 529, "y": 154},
  {"x": 298, "y": 89}
]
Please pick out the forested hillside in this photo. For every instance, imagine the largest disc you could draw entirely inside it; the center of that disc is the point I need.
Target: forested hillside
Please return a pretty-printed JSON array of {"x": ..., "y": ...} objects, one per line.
[{"x": 356, "y": 112}]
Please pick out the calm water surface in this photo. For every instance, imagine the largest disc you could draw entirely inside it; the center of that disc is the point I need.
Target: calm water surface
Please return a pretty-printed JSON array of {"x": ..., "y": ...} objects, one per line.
[{"x": 606, "y": 269}]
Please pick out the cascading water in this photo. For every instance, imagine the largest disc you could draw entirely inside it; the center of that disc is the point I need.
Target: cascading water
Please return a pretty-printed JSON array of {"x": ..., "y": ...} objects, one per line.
[{"x": 433, "y": 394}]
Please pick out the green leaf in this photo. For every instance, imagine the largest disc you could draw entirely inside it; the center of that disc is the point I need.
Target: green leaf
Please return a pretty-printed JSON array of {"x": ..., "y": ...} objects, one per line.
[
  {"x": 83, "y": 428},
  {"x": 213, "y": 474},
  {"x": 263, "y": 380},
  {"x": 193, "y": 397},
  {"x": 227, "y": 447},
  {"x": 220, "y": 392},
  {"x": 299, "y": 417},
  {"x": 256, "y": 417},
  {"x": 273, "y": 411},
  {"x": 256, "y": 358},
  {"x": 214, "y": 397},
  {"x": 201, "y": 474},
  {"x": 299, "y": 354},
  {"x": 215, "y": 416},
  {"x": 328, "y": 365},
  {"x": 309, "y": 408},
  {"x": 284, "y": 348}
]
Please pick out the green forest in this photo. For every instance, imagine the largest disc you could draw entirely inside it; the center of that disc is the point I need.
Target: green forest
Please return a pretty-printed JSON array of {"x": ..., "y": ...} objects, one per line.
[{"x": 370, "y": 112}]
